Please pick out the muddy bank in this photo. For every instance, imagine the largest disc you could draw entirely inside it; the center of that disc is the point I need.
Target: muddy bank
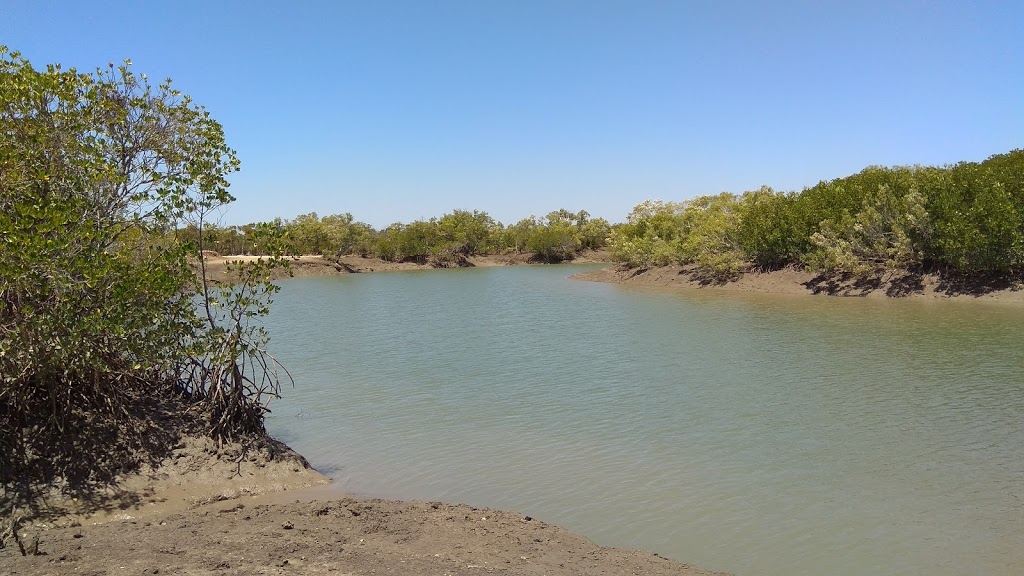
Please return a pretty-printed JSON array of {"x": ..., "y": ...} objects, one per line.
[
  {"x": 342, "y": 536},
  {"x": 309, "y": 266},
  {"x": 209, "y": 509},
  {"x": 797, "y": 282}
]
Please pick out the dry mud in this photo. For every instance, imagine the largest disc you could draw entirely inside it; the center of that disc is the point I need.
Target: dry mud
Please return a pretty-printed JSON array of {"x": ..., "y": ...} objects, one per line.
[{"x": 212, "y": 509}]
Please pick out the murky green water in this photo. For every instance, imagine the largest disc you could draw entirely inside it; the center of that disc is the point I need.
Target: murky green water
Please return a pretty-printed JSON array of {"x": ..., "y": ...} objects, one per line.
[{"x": 763, "y": 435}]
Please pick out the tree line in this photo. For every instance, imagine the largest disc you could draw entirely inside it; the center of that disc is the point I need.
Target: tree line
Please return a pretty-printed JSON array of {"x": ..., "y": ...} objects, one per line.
[
  {"x": 559, "y": 236},
  {"x": 965, "y": 219}
]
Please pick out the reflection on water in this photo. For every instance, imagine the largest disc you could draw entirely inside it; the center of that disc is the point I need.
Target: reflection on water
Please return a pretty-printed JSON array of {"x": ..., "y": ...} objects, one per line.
[{"x": 750, "y": 433}]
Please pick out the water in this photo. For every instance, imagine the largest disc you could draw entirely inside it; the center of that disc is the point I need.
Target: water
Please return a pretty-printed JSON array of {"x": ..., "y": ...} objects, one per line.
[{"x": 763, "y": 435}]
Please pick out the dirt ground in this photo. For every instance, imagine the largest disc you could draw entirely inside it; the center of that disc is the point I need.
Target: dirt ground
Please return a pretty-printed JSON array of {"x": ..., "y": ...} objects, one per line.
[
  {"x": 220, "y": 510},
  {"x": 342, "y": 536},
  {"x": 792, "y": 281}
]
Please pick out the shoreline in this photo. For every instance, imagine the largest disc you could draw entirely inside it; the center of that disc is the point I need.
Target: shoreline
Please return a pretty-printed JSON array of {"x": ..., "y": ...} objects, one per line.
[
  {"x": 793, "y": 282},
  {"x": 226, "y": 509},
  {"x": 310, "y": 266},
  {"x": 786, "y": 281}
]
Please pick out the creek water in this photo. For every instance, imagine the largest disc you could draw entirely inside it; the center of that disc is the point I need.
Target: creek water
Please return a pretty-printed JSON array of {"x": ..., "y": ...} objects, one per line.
[{"x": 757, "y": 434}]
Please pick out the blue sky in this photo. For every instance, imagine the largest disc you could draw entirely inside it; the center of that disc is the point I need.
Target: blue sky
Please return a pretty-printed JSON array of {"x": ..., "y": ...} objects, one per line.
[{"x": 398, "y": 110}]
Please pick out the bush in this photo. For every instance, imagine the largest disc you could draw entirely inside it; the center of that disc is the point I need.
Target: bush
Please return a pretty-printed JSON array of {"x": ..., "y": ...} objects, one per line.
[
  {"x": 555, "y": 242},
  {"x": 889, "y": 232},
  {"x": 979, "y": 216},
  {"x": 767, "y": 236},
  {"x": 98, "y": 319},
  {"x": 966, "y": 219},
  {"x": 650, "y": 236},
  {"x": 711, "y": 236}
]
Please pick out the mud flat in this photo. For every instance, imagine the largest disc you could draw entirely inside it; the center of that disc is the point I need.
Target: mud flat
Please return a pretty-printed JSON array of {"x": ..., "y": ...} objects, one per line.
[
  {"x": 309, "y": 266},
  {"x": 794, "y": 281},
  {"x": 209, "y": 509}
]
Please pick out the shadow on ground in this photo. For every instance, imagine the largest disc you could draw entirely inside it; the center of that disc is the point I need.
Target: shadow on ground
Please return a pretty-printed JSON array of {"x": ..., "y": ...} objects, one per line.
[{"x": 902, "y": 284}]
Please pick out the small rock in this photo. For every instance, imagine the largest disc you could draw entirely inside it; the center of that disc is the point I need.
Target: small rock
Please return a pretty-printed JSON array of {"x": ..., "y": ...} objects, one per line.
[{"x": 288, "y": 525}]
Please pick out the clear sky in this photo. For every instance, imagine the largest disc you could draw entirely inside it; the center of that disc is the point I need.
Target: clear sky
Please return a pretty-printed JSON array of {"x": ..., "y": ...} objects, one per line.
[{"x": 398, "y": 110}]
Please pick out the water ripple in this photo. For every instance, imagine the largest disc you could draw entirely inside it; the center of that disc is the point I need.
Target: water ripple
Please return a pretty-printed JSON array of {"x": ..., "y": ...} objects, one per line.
[{"x": 756, "y": 434}]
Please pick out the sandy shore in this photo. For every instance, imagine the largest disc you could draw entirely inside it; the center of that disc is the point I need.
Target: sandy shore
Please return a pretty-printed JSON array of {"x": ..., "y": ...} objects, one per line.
[
  {"x": 796, "y": 282},
  {"x": 221, "y": 510}
]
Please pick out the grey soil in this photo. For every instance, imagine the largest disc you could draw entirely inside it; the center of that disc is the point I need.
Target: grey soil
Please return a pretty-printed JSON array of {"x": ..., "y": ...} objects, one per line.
[
  {"x": 221, "y": 510},
  {"x": 345, "y": 536}
]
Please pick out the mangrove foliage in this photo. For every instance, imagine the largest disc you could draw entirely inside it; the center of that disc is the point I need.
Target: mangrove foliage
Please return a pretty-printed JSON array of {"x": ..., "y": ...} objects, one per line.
[
  {"x": 964, "y": 219},
  {"x": 110, "y": 334},
  {"x": 559, "y": 236}
]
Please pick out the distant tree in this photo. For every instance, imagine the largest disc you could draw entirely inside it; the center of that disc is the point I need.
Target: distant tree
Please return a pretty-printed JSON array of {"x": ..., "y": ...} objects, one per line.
[
  {"x": 554, "y": 242},
  {"x": 517, "y": 236},
  {"x": 887, "y": 233},
  {"x": 360, "y": 239},
  {"x": 469, "y": 231},
  {"x": 978, "y": 212},
  {"x": 711, "y": 237},
  {"x": 650, "y": 236},
  {"x": 417, "y": 240},
  {"x": 387, "y": 243},
  {"x": 594, "y": 234},
  {"x": 767, "y": 236}
]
